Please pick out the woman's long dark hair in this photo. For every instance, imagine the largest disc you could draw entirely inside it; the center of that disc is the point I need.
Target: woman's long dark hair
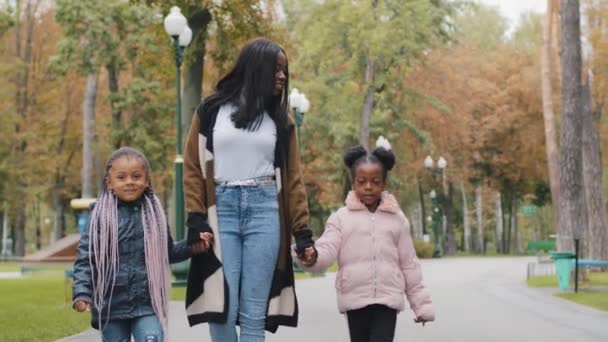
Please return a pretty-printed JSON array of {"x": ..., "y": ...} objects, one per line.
[{"x": 250, "y": 86}]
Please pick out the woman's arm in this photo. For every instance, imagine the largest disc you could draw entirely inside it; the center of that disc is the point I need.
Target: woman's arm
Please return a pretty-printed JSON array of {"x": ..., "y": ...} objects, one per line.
[
  {"x": 194, "y": 183},
  {"x": 296, "y": 193}
]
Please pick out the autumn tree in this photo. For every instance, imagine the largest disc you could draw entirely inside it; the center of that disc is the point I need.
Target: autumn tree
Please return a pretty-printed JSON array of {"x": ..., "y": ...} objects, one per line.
[{"x": 571, "y": 177}]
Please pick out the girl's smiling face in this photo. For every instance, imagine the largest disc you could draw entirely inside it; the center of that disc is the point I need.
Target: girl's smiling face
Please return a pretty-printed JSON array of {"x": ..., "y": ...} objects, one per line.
[
  {"x": 368, "y": 184},
  {"x": 127, "y": 178}
]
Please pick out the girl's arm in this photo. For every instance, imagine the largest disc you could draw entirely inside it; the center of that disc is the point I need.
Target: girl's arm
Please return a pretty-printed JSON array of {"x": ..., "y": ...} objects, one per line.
[
  {"x": 416, "y": 292},
  {"x": 178, "y": 251},
  {"x": 82, "y": 288},
  {"x": 327, "y": 246}
]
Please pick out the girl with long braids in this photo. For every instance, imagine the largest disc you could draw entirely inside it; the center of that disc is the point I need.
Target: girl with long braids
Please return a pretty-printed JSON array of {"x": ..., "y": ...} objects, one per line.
[
  {"x": 121, "y": 273},
  {"x": 370, "y": 238}
]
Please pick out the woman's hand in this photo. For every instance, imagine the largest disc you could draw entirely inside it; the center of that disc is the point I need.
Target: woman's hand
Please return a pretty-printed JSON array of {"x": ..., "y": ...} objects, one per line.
[
  {"x": 204, "y": 244},
  {"x": 82, "y": 306}
]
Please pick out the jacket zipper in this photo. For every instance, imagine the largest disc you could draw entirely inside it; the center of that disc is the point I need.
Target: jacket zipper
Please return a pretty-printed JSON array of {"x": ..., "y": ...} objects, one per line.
[{"x": 374, "y": 252}]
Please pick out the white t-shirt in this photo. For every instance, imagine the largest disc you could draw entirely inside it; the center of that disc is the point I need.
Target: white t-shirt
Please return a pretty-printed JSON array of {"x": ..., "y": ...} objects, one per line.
[{"x": 239, "y": 154}]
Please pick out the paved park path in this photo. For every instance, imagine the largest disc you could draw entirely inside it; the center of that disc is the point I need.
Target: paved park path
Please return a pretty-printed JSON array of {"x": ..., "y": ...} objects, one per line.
[{"x": 476, "y": 300}]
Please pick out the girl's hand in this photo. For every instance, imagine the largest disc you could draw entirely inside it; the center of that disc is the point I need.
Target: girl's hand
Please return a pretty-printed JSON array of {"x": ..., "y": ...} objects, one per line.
[
  {"x": 309, "y": 256},
  {"x": 207, "y": 239},
  {"x": 420, "y": 320},
  {"x": 82, "y": 306},
  {"x": 203, "y": 245}
]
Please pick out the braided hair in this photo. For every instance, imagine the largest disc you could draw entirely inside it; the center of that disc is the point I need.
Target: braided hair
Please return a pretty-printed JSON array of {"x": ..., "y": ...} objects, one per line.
[{"x": 103, "y": 245}]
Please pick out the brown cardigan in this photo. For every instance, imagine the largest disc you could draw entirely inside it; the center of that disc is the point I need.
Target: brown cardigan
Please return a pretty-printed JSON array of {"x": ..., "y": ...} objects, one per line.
[{"x": 207, "y": 290}]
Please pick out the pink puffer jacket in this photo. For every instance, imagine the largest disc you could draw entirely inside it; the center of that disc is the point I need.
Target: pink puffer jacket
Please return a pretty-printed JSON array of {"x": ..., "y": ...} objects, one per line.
[{"x": 376, "y": 258}]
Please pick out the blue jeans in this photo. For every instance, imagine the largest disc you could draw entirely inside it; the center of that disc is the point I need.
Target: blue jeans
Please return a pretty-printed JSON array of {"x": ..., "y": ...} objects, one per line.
[
  {"x": 143, "y": 329},
  {"x": 248, "y": 224}
]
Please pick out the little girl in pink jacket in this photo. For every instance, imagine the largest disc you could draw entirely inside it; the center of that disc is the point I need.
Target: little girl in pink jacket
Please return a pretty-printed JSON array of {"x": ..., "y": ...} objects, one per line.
[{"x": 370, "y": 238}]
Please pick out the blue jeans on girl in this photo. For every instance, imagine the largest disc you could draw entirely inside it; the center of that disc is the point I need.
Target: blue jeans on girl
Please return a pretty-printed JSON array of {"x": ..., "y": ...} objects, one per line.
[
  {"x": 144, "y": 329},
  {"x": 248, "y": 220}
]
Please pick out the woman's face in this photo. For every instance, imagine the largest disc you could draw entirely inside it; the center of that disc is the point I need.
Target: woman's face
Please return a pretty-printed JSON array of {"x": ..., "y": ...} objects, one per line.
[{"x": 280, "y": 74}]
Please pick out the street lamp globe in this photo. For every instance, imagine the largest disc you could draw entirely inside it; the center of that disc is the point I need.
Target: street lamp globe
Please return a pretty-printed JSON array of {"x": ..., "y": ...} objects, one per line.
[
  {"x": 428, "y": 162},
  {"x": 185, "y": 37},
  {"x": 175, "y": 22},
  {"x": 304, "y": 104},
  {"x": 433, "y": 194},
  {"x": 442, "y": 163},
  {"x": 295, "y": 99}
]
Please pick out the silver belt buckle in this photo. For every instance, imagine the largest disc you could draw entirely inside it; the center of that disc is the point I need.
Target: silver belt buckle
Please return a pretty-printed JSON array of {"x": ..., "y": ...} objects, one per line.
[{"x": 247, "y": 182}]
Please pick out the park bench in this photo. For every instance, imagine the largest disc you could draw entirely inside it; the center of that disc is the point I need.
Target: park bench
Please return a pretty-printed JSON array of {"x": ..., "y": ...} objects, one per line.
[
  {"x": 540, "y": 245},
  {"x": 593, "y": 263}
]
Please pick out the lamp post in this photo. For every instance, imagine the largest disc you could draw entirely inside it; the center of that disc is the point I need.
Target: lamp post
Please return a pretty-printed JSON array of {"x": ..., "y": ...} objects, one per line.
[
  {"x": 299, "y": 105},
  {"x": 437, "y": 215},
  {"x": 177, "y": 28}
]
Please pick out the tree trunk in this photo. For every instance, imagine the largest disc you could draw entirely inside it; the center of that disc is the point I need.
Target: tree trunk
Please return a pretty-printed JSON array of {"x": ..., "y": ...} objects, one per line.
[
  {"x": 479, "y": 215},
  {"x": 571, "y": 177},
  {"x": 422, "y": 209},
  {"x": 555, "y": 39},
  {"x": 465, "y": 218},
  {"x": 59, "y": 207},
  {"x": 448, "y": 210},
  {"x": 368, "y": 104},
  {"x": 113, "y": 75},
  {"x": 515, "y": 234},
  {"x": 499, "y": 226},
  {"x": 597, "y": 232},
  {"x": 20, "y": 232},
  {"x": 58, "y": 199},
  {"x": 22, "y": 103},
  {"x": 88, "y": 134},
  {"x": 194, "y": 66},
  {"x": 549, "y": 118},
  {"x": 6, "y": 249}
]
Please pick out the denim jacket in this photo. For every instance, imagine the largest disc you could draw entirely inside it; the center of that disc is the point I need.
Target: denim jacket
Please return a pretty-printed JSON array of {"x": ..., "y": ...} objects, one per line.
[{"x": 130, "y": 296}]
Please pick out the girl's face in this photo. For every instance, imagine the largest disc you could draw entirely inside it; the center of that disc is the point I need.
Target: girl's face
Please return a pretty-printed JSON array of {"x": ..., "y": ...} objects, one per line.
[
  {"x": 127, "y": 178},
  {"x": 280, "y": 73},
  {"x": 368, "y": 184}
]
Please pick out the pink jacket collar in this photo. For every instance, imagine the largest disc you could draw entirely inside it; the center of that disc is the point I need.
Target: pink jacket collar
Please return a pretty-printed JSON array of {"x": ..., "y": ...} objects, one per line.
[{"x": 388, "y": 203}]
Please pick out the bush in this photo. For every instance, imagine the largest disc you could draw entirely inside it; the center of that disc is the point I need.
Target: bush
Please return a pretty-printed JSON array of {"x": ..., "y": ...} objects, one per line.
[{"x": 423, "y": 249}]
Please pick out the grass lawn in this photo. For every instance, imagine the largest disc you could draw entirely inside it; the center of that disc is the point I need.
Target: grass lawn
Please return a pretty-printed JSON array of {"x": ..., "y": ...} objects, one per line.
[
  {"x": 595, "y": 279},
  {"x": 34, "y": 309},
  {"x": 10, "y": 267},
  {"x": 598, "y": 300},
  {"x": 488, "y": 254}
]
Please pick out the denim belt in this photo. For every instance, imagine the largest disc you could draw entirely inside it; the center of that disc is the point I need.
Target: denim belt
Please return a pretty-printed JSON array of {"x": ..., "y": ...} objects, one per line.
[{"x": 247, "y": 182}]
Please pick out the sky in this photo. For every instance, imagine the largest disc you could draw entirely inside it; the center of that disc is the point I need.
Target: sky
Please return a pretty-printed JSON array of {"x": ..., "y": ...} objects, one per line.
[{"x": 512, "y": 9}]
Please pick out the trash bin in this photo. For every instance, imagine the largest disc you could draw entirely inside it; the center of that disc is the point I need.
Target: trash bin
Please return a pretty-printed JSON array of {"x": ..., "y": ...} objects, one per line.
[{"x": 564, "y": 261}]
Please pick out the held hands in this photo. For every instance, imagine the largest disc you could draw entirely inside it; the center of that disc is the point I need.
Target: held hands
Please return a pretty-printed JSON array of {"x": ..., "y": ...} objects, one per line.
[
  {"x": 206, "y": 241},
  {"x": 82, "y": 306},
  {"x": 309, "y": 257}
]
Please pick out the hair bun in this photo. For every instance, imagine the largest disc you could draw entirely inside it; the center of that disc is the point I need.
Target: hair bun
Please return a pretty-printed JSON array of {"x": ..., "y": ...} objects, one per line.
[
  {"x": 384, "y": 154},
  {"x": 383, "y": 142},
  {"x": 354, "y": 153}
]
